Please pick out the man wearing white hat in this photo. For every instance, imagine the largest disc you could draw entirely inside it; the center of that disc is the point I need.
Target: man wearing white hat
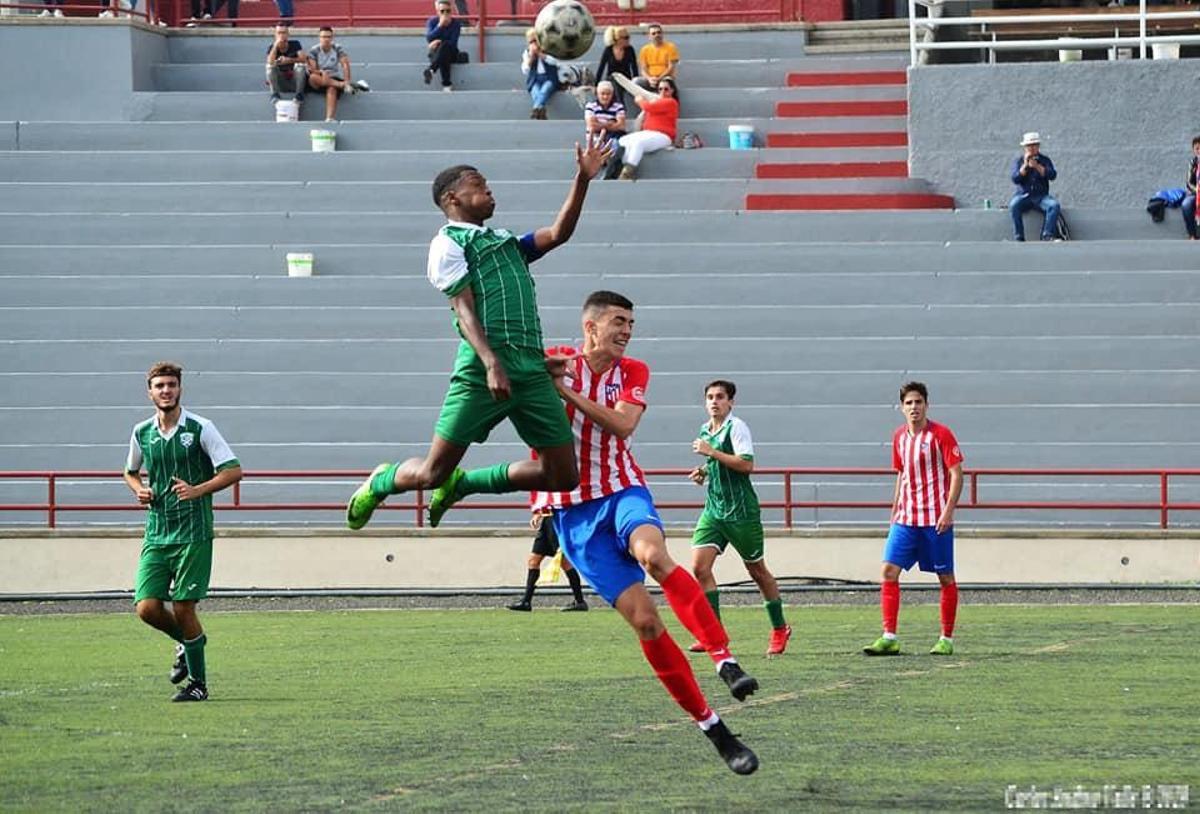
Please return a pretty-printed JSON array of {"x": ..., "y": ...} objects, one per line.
[{"x": 1032, "y": 173}]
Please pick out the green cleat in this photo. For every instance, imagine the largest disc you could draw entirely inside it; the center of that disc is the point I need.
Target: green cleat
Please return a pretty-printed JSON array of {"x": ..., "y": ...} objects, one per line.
[
  {"x": 883, "y": 647},
  {"x": 445, "y": 496},
  {"x": 944, "y": 647},
  {"x": 363, "y": 502}
]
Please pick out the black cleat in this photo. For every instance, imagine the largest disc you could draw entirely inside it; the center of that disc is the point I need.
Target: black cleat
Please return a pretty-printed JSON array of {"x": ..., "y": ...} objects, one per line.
[
  {"x": 737, "y": 755},
  {"x": 179, "y": 668},
  {"x": 741, "y": 685},
  {"x": 195, "y": 691},
  {"x": 427, "y": 75},
  {"x": 520, "y": 606},
  {"x": 577, "y": 606}
]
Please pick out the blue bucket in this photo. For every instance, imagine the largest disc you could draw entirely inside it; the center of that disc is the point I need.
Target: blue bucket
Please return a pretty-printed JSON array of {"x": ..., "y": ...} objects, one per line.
[{"x": 741, "y": 137}]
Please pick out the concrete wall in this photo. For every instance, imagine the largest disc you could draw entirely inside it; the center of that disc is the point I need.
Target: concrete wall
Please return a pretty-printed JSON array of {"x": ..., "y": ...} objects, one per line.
[
  {"x": 1116, "y": 131},
  {"x": 93, "y": 563},
  {"x": 96, "y": 67}
]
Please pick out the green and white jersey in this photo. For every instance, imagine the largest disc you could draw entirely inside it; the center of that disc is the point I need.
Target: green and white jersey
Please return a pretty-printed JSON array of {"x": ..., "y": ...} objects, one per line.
[
  {"x": 730, "y": 494},
  {"x": 193, "y": 451},
  {"x": 494, "y": 263}
]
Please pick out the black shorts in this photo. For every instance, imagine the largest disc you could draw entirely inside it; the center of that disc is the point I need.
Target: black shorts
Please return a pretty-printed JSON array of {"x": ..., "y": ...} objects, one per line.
[{"x": 545, "y": 542}]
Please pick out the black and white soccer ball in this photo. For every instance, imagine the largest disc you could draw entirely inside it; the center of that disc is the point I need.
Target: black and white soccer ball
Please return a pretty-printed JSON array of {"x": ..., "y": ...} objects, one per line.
[{"x": 565, "y": 29}]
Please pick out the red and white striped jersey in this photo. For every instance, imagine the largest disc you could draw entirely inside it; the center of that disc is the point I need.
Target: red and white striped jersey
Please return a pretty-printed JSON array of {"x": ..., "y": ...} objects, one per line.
[
  {"x": 924, "y": 461},
  {"x": 606, "y": 463}
]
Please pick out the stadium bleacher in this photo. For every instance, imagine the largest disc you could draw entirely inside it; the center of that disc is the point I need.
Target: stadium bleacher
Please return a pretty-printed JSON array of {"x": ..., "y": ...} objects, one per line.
[{"x": 164, "y": 236}]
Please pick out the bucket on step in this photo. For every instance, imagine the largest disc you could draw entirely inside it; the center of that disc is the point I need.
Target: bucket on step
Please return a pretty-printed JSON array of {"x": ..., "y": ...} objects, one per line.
[
  {"x": 1069, "y": 54},
  {"x": 300, "y": 264},
  {"x": 1165, "y": 50},
  {"x": 741, "y": 137},
  {"x": 323, "y": 141},
  {"x": 287, "y": 110}
]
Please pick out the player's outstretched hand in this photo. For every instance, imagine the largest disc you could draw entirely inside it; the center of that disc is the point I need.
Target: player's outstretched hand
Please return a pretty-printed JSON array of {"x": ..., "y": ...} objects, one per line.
[{"x": 593, "y": 157}]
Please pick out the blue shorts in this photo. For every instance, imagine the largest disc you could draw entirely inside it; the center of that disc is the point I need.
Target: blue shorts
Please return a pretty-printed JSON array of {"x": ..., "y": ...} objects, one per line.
[
  {"x": 595, "y": 538},
  {"x": 920, "y": 544}
]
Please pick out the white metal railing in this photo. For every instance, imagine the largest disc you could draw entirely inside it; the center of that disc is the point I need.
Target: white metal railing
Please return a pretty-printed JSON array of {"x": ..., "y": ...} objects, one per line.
[{"x": 921, "y": 30}]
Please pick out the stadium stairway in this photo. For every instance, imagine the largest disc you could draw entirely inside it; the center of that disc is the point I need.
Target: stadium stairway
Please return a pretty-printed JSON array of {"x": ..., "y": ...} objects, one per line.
[{"x": 126, "y": 242}]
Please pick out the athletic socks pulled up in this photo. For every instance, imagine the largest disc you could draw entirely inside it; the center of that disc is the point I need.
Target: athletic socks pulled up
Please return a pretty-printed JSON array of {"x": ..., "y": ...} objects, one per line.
[
  {"x": 673, "y": 670},
  {"x": 889, "y": 605},
  {"x": 193, "y": 651},
  {"x": 949, "y": 608},
  {"x": 693, "y": 610}
]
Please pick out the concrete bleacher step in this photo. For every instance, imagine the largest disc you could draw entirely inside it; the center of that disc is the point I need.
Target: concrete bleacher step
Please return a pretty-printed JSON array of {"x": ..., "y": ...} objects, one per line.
[
  {"x": 830, "y": 169},
  {"x": 872, "y": 107},
  {"x": 845, "y": 79},
  {"x": 300, "y": 228},
  {"x": 835, "y": 140},
  {"x": 778, "y": 199},
  {"x": 383, "y": 196}
]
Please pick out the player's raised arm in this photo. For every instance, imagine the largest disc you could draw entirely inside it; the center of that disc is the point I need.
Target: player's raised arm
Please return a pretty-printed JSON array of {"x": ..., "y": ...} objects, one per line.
[{"x": 588, "y": 161}]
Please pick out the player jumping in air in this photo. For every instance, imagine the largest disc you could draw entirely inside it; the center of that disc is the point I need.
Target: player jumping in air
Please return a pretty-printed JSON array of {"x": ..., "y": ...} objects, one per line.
[
  {"x": 501, "y": 369},
  {"x": 186, "y": 460},
  {"x": 928, "y": 466},
  {"x": 610, "y": 530},
  {"x": 731, "y": 514}
]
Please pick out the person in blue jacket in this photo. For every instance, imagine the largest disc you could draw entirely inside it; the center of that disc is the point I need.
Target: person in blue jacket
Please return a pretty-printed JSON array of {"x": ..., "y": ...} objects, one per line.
[
  {"x": 1189, "y": 201},
  {"x": 1032, "y": 172},
  {"x": 441, "y": 33}
]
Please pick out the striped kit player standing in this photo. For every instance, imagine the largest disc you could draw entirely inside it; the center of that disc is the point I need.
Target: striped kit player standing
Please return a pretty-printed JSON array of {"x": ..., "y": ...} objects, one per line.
[
  {"x": 610, "y": 530},
  {"x": 928, "y": 466}
]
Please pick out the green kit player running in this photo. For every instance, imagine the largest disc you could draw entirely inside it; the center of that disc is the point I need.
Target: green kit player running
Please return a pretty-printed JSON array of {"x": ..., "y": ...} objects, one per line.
[
  {"x": 501, "y": 368},
  {"x": 186, "y": 460},
  {"x": 731, "y": 514}
]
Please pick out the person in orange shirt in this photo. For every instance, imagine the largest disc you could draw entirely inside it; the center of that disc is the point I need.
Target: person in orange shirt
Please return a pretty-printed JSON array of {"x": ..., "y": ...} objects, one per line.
[
  {"x": 661, "y": 112},
  {"x": 658, "y": 58}
]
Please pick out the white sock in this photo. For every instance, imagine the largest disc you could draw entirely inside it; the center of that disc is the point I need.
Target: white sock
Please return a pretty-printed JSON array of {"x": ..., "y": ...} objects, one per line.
[
  {"x": 889, "y": 636},
  {"x": 708, "y": 723},
  {"x": 723, "y": 662}
]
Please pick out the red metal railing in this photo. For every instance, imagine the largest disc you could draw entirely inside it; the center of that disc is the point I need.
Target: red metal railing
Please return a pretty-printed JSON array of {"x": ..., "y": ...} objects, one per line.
[{"x": 415, "y": 502}]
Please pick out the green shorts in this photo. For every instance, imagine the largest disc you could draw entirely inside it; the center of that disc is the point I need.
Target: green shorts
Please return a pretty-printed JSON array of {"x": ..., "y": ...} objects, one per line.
[
  {"x": 178, "y": 573},
  {"x": 745, "y": 535},
  {"x": 537, "y": 412}
]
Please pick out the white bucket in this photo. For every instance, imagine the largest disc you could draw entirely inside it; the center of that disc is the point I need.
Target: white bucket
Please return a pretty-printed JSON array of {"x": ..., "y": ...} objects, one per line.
[
  {"x": 1069, "y": 54},
  {"x": 741, "y": 137},
  {"x": 287, "y": 110},
  {"x": 1165, "y": 50},
  {"x": 323, "y": 141},
  {"x": 300, "y": 264}
]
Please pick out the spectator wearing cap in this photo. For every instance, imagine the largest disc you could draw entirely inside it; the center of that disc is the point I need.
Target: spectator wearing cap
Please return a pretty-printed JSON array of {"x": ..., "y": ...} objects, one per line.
[
  {"x": 1032, "y": 172},
  {"x": 441, "y": 34}
]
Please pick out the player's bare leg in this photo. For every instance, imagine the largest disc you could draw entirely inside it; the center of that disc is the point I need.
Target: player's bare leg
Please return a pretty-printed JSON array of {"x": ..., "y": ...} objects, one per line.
[
  {"x": 155, "y": 613},
  {"x": 554, "y": 470},
  {"x": 414, "y": 473}
]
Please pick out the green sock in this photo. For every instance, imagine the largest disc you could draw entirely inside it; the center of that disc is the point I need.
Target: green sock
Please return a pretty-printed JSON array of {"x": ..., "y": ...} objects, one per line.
[
  {"x": 384, "y": 483},
  {"x": 492, "y": 480},
  {"x": 714, "y": 599},
  {"x": 193, "y": 651},
  {"x": 775, "y": 611}
]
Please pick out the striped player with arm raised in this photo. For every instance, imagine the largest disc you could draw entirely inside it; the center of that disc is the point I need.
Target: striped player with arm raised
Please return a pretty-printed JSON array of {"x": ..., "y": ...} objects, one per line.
[
  {"x": 928, "y": 466},
  {"x": 610, "y": 530}
]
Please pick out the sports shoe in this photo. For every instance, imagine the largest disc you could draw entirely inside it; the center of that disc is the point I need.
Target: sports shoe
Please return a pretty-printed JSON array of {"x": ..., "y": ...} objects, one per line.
[
  {"x": 883, "y": 646},
  {"x": 363, "y": 502},
  {"x": 520, "y": 606},
  {"x": 447, "y": 89},
  {"x": 59, "y": 13},
  {"x": 299, "y": 98},
  {"x": 179, "y": 668},
  {"x": 696, "y": 647},
  {"x": 361, "y": 86},
  {"x": 779, "y": 640},
  {"x": 46, "y": 13},
  {"x": 195, "y": 691},
  {"x": 741, "y": 685},
  {"x": 106, "y": 14},
  {"x": 944, "y": 647},
  {"x": 577, "y": 606},
  {"x": 444, "y": 496},
  {"x": 427, "y": 75},
  {"x": 274, "y": 98},
  {"x": 628, "y": 173},
  {"x": 737, "y": 755}
]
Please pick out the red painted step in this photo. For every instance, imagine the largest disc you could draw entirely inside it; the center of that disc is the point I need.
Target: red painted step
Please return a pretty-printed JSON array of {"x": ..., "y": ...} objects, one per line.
[
  {"x": 884, "y": 138},
  {"x": 847, "y": 169},
  {"x": 882, "y": 200},
  {"x": 806, "y": 80},
  {"x": 896, "y": 107}
]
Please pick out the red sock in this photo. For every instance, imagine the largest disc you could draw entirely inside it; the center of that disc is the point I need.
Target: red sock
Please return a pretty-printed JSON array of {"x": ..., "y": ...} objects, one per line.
[
  {"x": 949, "y": 608},
  {"x": 889, "y": 604},
  {"x": 691, "y": 606},
  {"x": 673, "y": 670}
]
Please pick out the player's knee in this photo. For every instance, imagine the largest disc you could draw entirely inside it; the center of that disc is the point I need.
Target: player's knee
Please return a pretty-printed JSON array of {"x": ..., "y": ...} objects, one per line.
[
  {"x": 564, "y": 481},
  {"x": 702, "y": 572},
  {"x": 534, "y": 561},
  {"x": 146, "y": 610},
  {"x": 891, "y": 573},
  {"x": 647, "y": 624}
]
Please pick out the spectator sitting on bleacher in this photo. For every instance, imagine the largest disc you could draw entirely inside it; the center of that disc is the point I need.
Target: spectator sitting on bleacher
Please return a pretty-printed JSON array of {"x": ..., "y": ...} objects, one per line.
[
  {"x": 541, "y": 75},
  {"x": 605, "y": 120},
  {"x": 441, "y": 33},
  {"x": 329, "y": 71},
  {"x": 661, "y": 112},
  {"x": 1189, "y": 203},
  {"x": 658, "y": 58},
  {"x": 618, "y": 57},
  {"x": 287, "y": 67},
  {"x": 1032, "y": 172},
  {"x": 50, "y": 10}
]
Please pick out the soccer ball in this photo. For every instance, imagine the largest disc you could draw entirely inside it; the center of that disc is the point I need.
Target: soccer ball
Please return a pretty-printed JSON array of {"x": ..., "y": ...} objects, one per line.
[{"x": 565, "y": 29}]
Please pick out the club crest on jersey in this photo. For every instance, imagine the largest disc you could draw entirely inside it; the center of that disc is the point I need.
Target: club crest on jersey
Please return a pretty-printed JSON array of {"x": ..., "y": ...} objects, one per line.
[
  {"x": 186, "y": 439},
  {"x": 611, "y": 391},
  {"x": 924, "y": 446}
]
